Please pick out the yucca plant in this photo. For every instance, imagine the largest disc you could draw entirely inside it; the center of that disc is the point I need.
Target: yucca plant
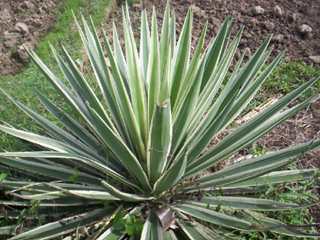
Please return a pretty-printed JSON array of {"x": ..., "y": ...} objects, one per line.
[{"x": 131, "y": 159}]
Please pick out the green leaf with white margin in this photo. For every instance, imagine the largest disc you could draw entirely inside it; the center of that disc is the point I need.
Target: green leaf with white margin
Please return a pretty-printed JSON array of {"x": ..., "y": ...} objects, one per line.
[
  {"x": 8, "y": 230},
  {"x": 211, "y": 125},
  {"x": 110, "y": 234},
  {"x": 205, "y": 106},
  {"x": 131, "y": 124},
  {"x": 169, "y": 235},
  {"x": 159, "y": 141},
  {"x": 269, "y": 224},
  {"x": 53, "y": 130},
  {"x": 144, "y": 42},
  {"x": 252, "y": 130},
  {"x": 286, "y": 176},
  {"x": 250, "y": 91},
  {"x": 216, "y": 50},
  {"x": 67, "y": 156},
  {"x": 190, "y": 231},
  {"x": 192, "y": 72},
  {"x": 79, "y": 84},
  {"x": 196, "y": 231},
  {"x": 98, "y": 63},
  {"x": 76, "y": 104},
  {"x": 165, "y": 58},
  {"x": 69, "y": 123},
  {"x": 120, "y": 149},
  {"x": 210, "y": 216},
  {"x": 130, "y": 197},
  {"x": 119, "y": 56},
  {"x": 51, "y": 171},
  {"x": 171, "y": 176},
  {"x": 153, "y": 71},
  {"x": 63, "y": 226},
  {"x": 257, "y": 204},
  {"x": 43, "y": 141},
  {"x": 181, "y": 58},
  {"x": 152, "y": 229},
  {"x": 255, "y": 167},
  {"x": 136, "y": 83}
]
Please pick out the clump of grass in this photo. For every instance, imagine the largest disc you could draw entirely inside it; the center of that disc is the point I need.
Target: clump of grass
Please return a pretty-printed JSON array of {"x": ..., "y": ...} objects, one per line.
[{"x": 289, "y": 76}]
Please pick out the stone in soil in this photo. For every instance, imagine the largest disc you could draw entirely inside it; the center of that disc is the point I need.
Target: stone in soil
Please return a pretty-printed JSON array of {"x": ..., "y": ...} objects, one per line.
[
  {"x": 5, "y": 15},
  {"x": 315, "y": 59},
  {"x": 258, "y": 10},
  {"x": 22, "y": 27},
  {"x": 278, "y": 10},
  {"x": 305, "y": 30}
]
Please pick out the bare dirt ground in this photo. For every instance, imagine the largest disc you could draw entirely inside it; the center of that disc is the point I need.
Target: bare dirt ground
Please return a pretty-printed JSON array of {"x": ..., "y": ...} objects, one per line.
[
  {"x": 22, "y": 23},
  {"x": 295, "y": 24}
]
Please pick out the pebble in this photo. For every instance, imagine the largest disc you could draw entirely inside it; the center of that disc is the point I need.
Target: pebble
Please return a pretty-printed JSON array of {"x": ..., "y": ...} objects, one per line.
[
  {"x": 305, "y": 30},
  {"x": 10, "y": 39},
  {"x": 216, "y": 22},
  {"x": 269, "y": 25},
  {"x": 22, "y": 27},
  {"x": 278, "y": 10},
  {"x": 258, "y": 10},
  {"x": 28, "y": 5},
  {"x": 5, "y": 14},
  {"x": 315, "y": 109},
  {"x": 198, "y": 11},
  {"x": 247, "y": 51},
  {"x": 22, "y": 53},
  {"x": 278, "y": 38},
  {"x": 315, "y": 59},
  {"x": 293, "y": 17}
]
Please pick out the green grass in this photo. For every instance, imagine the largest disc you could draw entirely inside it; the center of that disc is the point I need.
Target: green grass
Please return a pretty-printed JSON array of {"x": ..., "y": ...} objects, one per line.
[
  {"x": 23, "y": 85},
  {"x": 301, "y": 192},
  {"x": 291, "y": 75},
  {"x": 287, "y": 77}
]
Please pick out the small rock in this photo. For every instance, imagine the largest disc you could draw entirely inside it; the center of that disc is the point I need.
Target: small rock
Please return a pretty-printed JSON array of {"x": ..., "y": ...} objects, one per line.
[
  {"x": 22, "y": 54},
  {"x": 278, "y": 10},
  {"x": 5, "y": 14},
  {"x": 10, "y": 43},
  {"x": 10, "y": 39},
  {"x": 257, "y": 10},
  {"x": 215, "y": 21},
  {"x": 254, "y": 21},
  {"x": 198, "y": 11},
  {"x": 293, "y": 17},
  {"x": 247, "y": 51},
  {"x": 315, "y": 59},
  {"x": 315, "y": 108},
  {"x": 305, "y": 30},
  {"x": 22, "y": 27},
  {"x": 8, "y": 35},
  {"x": 35, "y": 22},
  {"x": 28, "y": 5},
  {"x": 137, "y": 5},
  {"x": 269, "y": 25},
  {"x": 278, "y": 38}
]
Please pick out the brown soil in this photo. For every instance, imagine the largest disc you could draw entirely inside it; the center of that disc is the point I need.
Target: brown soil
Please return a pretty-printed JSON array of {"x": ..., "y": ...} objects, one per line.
[
  {"x": 282, "y": 18},
  {"x": 22, "y": 23}
]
